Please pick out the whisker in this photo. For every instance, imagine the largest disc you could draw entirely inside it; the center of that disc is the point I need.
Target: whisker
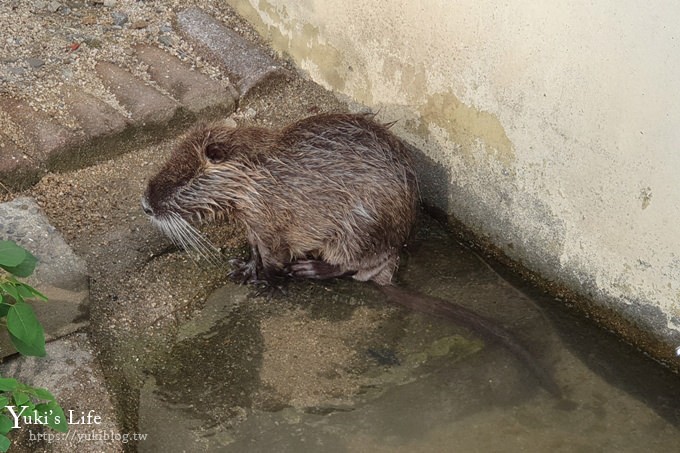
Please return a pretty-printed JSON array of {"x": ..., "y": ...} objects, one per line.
[
  {"x": 185, "y": 236},
  {"x": 194, "y": 240},
  {"x": 199, "y": 243}
]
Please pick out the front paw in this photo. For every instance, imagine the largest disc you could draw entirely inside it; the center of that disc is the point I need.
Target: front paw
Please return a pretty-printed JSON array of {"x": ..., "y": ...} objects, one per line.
[{"x": 244, "y": 271}]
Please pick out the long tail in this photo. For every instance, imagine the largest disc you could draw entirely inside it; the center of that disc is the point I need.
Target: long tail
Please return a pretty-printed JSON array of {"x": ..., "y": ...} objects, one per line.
[{"x": 483, "y": 326}]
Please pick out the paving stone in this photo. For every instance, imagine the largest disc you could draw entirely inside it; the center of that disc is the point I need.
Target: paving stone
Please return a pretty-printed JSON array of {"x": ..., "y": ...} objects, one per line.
[
  {"x": 60, "y": 274},
  {"x": 139, "y": 24},
  {"x": 47, "y": 137},
  {"x": 16, "y": 71},
  {"x": 194, "y": 90},
  {"x": 246, "y": 63},
  {"x": 72, "y": 374},
  {"x": 145, "y": 104},
  {"x": 94, "y": 116},
  {"x": 16, "y": 168}
]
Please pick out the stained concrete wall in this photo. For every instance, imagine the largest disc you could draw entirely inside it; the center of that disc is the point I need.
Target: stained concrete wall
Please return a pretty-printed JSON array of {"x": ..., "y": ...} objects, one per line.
[{"x": 557, "y": 125}]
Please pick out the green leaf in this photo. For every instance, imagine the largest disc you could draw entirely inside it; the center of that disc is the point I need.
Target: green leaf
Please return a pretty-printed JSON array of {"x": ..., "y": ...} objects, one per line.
[
  {"x": 24, "y": 326},
  {"x": 11, "y": 255},
  {"x": 27, "y": 292},
  {"x": 20, "y": 291},
  {"x": 35, "y": 292},
  {"x": 4, "y": 401},
  {"x": 57, "y": 419},
  {"x": 16, "y": 260},
  {"x": 20, "y": 398},
  {"x": 43, "y": 394},
  {"x": 23, "y": 291},
  {"x": 8, "y": 384},
  {"x": 4, "y": 443},
  {"x": 6, "y": 424},
  {"x": 10, "y": 289},
  {"x": 25, "y": 268},
  {"x": 36, "y": 349},
  {"x": 4, "y": 308}
]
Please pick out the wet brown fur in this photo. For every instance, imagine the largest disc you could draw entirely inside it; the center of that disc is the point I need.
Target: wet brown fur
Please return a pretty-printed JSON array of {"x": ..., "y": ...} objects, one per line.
[
  {"x": 330, "y": 195},
  {"x": 337, "y": 188}
]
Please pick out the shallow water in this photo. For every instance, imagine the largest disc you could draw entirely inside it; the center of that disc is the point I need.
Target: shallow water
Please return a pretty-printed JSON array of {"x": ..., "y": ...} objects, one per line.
[{"x": 329, "y": 368}]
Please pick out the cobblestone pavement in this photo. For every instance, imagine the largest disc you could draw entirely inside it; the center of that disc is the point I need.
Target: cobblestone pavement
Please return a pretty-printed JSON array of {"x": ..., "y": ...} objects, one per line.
[{"x": 83, "y": 81}]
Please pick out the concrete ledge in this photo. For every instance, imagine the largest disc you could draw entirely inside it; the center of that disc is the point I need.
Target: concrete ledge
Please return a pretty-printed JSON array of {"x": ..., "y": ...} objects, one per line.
[
  {"x": 94, "y": 116},
  {"x": 193, "y": 90},
  {"x": 247, "y": 64},
  {"x": 17, "y": 169},
  {"x": 45, "y": 135},
  {"x": 145, "y": 104}
]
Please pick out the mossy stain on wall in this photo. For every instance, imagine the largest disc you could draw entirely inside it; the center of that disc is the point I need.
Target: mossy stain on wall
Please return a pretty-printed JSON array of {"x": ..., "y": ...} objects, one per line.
[
  {"x": 465, "y": 126},
  {"x": 299, "y": 40},
  {"x": 468, "y": 126}
]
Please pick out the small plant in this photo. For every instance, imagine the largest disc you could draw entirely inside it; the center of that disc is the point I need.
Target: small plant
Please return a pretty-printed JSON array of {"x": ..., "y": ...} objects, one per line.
[
  {"x": 20, "y": 402},
  {"x": 30, "y": 405},
  {"x": 26, "y": 333}
]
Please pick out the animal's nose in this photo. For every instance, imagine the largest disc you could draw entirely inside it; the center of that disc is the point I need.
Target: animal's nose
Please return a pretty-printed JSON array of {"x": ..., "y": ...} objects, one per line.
[{"x": 146, "y": 207}]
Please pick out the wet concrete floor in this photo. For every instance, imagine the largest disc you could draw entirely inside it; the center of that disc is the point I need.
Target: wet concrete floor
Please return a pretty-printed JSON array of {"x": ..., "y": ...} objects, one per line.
[{"x": 329, "y": 367}]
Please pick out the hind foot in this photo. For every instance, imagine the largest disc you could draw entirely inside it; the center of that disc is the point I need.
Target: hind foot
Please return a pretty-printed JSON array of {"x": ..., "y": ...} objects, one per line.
[{"x": 315, "y": 269}]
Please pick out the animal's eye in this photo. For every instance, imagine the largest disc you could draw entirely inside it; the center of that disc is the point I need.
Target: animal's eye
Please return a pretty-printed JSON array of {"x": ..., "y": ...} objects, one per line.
[{"x": 215, "y": 152}]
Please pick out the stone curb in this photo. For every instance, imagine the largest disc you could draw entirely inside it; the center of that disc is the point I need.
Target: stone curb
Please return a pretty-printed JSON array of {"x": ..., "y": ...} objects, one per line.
[
  {"x": 145, "y": 104},
  {"x": 195, "y": 93},
  {"x": 247, "y": 64},
  {"x": 101, "y": 131}
]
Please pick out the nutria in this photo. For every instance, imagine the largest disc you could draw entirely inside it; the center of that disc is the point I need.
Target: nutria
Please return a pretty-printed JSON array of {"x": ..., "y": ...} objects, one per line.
[{"x": 331, "y": 195}]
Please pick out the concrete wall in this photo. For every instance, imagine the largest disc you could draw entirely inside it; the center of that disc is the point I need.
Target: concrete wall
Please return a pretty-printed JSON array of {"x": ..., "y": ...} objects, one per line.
[{"x": 557, "y": 123}]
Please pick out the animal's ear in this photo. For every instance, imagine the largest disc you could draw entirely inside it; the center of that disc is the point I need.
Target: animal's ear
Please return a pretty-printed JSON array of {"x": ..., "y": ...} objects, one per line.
[{"x": 216, "y": 152}]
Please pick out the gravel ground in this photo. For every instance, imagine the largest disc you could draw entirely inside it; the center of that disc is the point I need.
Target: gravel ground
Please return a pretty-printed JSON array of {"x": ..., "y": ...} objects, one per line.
[{"x": 47, "y": 44}]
